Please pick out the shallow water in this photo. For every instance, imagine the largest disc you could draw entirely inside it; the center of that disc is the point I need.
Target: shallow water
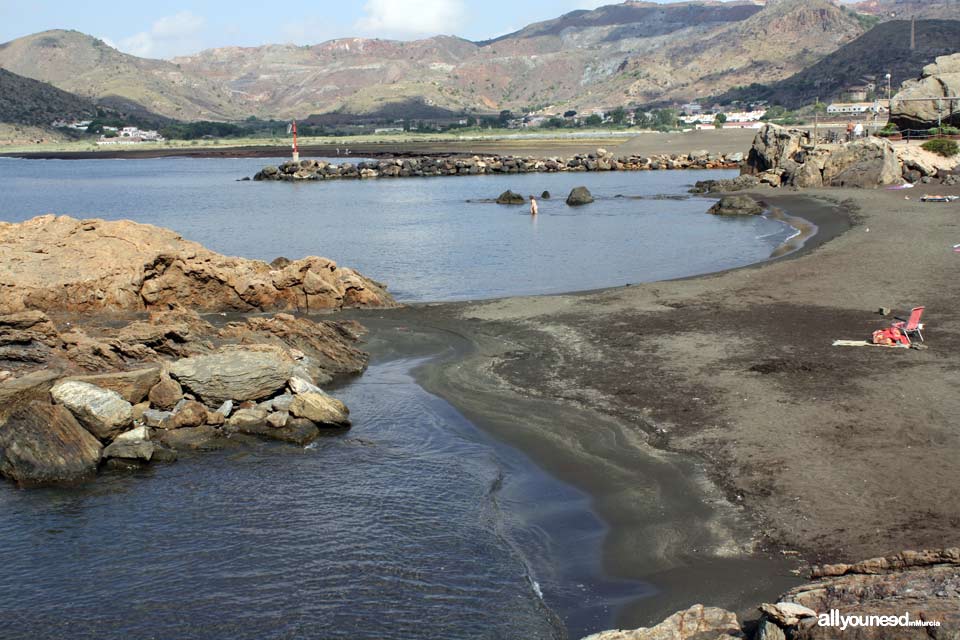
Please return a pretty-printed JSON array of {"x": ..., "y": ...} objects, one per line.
[
  {"x": 414, "y": 524},
  {"x": 419, "y": 235}
]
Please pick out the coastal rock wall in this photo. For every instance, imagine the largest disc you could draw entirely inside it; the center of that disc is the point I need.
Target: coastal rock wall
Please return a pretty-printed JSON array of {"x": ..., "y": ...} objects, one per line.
[
  {"x": 59, "y": 263},
  {"x": 602, "y": 160}
]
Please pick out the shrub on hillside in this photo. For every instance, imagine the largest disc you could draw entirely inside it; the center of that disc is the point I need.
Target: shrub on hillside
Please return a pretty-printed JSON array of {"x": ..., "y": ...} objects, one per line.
[{"x": 945, "y": 148}]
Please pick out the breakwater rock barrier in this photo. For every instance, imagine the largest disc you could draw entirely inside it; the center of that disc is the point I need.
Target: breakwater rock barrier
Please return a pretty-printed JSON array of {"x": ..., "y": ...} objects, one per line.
[{"x": 426, "y": 166}]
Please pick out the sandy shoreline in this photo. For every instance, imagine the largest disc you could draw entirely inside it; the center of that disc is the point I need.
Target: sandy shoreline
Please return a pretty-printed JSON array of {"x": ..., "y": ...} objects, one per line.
[{"x": 722, "y": 396}]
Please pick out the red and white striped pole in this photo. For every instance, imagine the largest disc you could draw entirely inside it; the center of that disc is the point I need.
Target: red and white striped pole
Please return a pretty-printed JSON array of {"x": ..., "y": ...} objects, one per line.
[{"x": 296, "y": 148}]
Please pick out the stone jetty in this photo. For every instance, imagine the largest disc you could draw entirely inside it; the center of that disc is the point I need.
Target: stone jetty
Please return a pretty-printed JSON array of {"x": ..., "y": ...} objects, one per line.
[{"x": 429, "y": 166}]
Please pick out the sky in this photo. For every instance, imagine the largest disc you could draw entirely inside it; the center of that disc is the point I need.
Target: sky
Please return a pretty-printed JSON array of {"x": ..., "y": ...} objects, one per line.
[{"x": 164, "y": 30}]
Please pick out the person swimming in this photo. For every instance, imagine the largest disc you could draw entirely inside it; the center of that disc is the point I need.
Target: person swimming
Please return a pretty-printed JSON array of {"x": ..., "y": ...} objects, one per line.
[{"x": 533, "y": 206}]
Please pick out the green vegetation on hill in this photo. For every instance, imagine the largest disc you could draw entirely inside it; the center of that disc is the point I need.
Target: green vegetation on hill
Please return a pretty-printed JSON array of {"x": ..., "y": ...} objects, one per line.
[
  {"x": 26, "y": 101},
  {"x": 884, "y": 49}
]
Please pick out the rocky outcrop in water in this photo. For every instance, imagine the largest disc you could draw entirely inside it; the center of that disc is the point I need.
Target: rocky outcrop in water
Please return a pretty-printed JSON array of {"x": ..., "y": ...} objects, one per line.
[
  {"x": 118, "y": 392},
  {"x": 916, "y": 105},
  {"x": 915, "y": 585},
  {"x": 253, "y": 378},
  {"x": 736, "y": 206},
  {"x": 509, "y": 197},
  {"x": 53, "y": 263},
  {"x": 601, "y": 160},
  {"x": 579, "y": 196}
]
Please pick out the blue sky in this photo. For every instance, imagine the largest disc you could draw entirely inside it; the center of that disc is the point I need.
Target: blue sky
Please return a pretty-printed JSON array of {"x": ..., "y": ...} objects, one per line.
[{"x": 162, "y": 29}]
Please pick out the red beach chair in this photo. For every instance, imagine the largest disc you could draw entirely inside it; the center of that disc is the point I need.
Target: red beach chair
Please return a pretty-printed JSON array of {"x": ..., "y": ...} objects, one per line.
[{"x": 912, "y": 326}]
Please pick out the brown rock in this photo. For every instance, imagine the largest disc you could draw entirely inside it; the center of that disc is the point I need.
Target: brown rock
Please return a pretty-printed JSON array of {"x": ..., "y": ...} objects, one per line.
[
  {"x": 166, "y": 394},
  {"x": 22, "y": 390},
  {"x": 203, "y": 438},
  {"x": 215, "y": 418},
  {"x": 235, "y": 373},
  {"x": 66, "y": 264},
  {"x": 192, "y": 414},
  {"x": 44, "y": 443}
]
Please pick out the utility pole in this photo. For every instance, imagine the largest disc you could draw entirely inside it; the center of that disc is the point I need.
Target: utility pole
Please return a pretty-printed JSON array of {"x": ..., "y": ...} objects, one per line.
[{"x": 816, "y": 122}]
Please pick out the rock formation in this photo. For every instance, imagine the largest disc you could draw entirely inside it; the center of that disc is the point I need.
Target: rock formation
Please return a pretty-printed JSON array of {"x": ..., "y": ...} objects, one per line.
[
  {"x": 787, "y": 157},
  {"x": 579, "y": 196},
  {"x": 509, "y": 197},
  {"x": 736, "y": 206},
  {"x": 132, "y": 387},
  {"x": 923, "y": 585},
  {"x": 916, "y": 105},
  {"x": 60, "y": 263}
]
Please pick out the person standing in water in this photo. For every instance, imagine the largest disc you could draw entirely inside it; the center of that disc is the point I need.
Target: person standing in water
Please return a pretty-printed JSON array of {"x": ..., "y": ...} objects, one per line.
[{"x": 533, "y": 206}]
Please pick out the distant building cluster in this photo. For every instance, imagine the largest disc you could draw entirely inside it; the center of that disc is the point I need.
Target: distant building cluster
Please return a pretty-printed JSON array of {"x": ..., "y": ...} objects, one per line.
[
  {"x": 112, "y": 135},
  {"x": 130, "y": 135},
  {"x": 858, "y": 108}
]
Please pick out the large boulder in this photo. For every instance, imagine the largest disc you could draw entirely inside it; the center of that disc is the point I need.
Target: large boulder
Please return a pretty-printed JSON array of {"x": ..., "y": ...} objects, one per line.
[
  {"x": 235, "y": 373},
  {"x": 773, "y": 147},
  {"x": 44, "y": 443},
  {"x": 865, "y": 164},
  {"x": 579, "y": 196},
  {"x": 917, "y": 106},
  {"x": 103, "y": 412},
  {"x": 736, "y": 206},
  {"x": 696, "y": 623},
  {"x": 22, "y": 390},
  {"x": 65, "y": 264}
]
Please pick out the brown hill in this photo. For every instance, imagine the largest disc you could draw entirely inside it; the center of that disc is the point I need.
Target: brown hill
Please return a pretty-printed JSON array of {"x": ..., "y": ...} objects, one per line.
[
  {"x": 635, "y": 51},
  {"x": 86, "y": 66},
  {"x": 28, "y": 101}
]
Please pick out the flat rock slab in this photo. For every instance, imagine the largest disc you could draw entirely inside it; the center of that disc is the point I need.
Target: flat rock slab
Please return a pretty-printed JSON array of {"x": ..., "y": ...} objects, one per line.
[
  {"x": 234, "y": 373},
  {"x": 296, "y": 431},
  {"x": 43, "y": 443}
]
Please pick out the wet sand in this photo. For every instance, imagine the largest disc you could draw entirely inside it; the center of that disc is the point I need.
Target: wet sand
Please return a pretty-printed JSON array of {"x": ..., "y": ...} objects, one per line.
[{"x": 718, "y": 431}]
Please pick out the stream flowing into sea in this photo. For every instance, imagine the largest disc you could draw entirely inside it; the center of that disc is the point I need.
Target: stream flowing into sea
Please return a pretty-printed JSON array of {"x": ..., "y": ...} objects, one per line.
[{"x": 414, "y": 524}]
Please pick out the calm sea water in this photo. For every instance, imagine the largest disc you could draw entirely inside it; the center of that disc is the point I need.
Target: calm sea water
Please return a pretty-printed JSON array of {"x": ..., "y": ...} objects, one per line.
[
  {"x": 420, "y": 236},
  {"x": 412, "y": 525}
]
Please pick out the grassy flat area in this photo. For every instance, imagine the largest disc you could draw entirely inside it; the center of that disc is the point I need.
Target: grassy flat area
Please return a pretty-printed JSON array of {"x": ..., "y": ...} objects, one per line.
[{"x": 505, "y": 139}]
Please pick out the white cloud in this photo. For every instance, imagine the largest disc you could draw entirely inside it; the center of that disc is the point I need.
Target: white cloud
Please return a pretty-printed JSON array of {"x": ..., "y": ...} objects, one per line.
[
  {"x": 169, "y": 36},
  {"x": 412, "y": 17}
]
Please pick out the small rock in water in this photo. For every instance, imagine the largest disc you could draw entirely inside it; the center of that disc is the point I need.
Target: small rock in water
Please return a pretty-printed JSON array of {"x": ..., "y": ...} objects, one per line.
[{"x": 509, "y": 197}]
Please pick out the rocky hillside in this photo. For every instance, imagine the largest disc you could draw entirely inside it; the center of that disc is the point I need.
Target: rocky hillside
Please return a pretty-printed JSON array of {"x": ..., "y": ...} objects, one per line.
[
  {"x": 634, "y": 52},
  {"x": 27, "y": 101},
  {"x": 84, "y": 65},
  {"x": 884, "y": 49}
]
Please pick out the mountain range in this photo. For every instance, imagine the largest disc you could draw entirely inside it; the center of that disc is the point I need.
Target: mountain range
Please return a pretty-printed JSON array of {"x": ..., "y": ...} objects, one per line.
[{"x": 636, "y": 53}]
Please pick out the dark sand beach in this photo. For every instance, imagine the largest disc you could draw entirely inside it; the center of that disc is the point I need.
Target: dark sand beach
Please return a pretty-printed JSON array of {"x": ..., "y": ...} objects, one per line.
[{"x": 723, "y": 396}]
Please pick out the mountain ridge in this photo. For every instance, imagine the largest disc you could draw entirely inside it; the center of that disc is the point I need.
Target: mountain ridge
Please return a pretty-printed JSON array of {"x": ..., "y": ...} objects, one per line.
[{"x": 631, "y": 53}]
